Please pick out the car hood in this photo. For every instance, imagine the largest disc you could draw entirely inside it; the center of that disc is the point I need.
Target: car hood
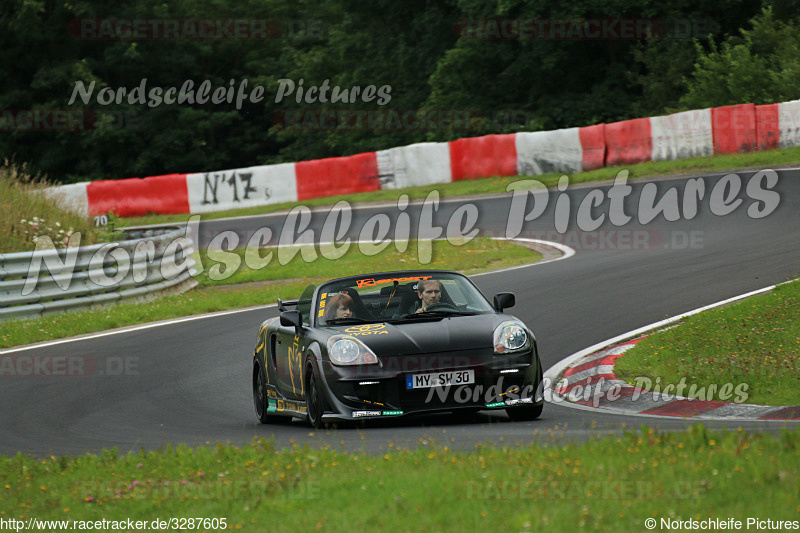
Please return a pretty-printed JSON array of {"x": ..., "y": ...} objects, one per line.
[{"x": 450, "y": 334}]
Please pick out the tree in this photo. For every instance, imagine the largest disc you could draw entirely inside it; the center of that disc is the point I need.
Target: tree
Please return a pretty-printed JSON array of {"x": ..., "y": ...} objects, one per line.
[{"x": 760, "y": 66}]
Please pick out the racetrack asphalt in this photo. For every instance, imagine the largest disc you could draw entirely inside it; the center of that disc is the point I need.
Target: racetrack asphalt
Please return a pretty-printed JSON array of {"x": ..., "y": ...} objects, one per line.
[{"x": 190, "y": 382}]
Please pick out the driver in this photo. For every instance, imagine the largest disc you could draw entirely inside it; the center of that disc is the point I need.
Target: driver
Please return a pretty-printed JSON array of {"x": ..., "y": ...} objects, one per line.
[{"x": 429, "y": 292}]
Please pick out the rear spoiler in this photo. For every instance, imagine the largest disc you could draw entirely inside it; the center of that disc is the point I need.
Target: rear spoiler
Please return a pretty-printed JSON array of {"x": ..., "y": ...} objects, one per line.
[{"x": 283, "y": 303}]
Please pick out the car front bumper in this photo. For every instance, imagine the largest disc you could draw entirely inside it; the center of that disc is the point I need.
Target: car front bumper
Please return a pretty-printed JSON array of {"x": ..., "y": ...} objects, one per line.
[{"x": 371, "y": 391}]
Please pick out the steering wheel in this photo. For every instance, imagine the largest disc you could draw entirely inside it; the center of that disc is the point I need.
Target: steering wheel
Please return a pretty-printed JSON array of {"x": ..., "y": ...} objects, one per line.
[{"x": 441, "y": 306}]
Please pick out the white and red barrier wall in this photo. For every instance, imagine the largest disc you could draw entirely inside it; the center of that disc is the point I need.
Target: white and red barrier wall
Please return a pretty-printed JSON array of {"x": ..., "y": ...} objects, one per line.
[
  {"x": 719, "y": 130},
  {"x": 681, "y": 135}
]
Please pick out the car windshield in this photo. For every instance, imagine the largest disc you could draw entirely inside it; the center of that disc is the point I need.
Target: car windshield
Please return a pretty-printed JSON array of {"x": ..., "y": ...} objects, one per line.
[{"x": 405, "y": 297}]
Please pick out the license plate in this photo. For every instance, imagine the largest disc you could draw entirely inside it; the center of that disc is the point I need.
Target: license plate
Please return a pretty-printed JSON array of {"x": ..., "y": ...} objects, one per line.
[{"x": 440, "y": 379}]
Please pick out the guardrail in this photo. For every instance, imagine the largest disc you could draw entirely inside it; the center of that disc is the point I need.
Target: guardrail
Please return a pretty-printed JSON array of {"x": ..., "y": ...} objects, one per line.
[{"x": 48, "y": 281}]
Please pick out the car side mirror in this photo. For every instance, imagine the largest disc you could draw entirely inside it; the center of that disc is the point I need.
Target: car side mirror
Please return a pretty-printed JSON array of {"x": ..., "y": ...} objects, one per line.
[
  {"x": 291, "y": 318},
  {"x": 504, "y": 300}
]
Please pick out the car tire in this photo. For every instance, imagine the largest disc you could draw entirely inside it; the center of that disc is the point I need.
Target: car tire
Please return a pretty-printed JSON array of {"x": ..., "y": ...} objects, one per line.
[
  {"x": 315, "y": 402},
  {"x": 260, "y": 394}
]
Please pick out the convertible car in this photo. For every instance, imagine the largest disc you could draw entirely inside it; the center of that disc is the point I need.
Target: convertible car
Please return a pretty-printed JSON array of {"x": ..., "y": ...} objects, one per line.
[{"x": 393, "y": 344}]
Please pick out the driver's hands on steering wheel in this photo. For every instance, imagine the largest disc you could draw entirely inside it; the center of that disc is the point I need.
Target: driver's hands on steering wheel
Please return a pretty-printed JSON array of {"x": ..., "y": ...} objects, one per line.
[{"x": 436, "y": 306}]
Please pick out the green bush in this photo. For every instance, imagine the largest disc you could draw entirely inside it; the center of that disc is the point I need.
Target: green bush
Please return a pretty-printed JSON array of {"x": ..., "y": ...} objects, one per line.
[{"x": 761, "y": 66}]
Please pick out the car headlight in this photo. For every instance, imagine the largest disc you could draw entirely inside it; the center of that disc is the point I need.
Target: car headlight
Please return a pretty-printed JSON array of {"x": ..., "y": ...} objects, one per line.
[
  {"x": 347, "y": 350},
  {"x": 511, "y": 336}
]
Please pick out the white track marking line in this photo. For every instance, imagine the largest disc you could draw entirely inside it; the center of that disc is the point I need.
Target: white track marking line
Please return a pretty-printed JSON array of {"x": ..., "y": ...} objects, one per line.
[{"x": 128, "y": 329}]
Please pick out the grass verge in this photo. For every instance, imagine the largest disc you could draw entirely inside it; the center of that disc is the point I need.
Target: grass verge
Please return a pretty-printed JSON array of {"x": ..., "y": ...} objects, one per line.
[
  {"x": 318, "y": 263},
  {"x": 195, "y": 302},
  {"x": 477, "y": 255},
  {"x": 605, "y": 484},
  {"x": 495, "y": 185},
  {"x": 26, "y": 215},
  {"x": 756, "y": 342}
]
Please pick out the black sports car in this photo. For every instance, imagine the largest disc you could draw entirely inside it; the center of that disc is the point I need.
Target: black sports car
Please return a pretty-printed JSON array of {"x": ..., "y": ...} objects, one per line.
[{"x": 393, "y": 344}]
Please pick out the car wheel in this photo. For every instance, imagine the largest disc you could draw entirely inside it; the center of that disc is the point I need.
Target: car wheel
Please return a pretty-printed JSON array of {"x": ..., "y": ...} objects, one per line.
[
  {"x": 520, "y": 414},
  {"x": 260, "y": 394},
  {"x": 314, "y": 400}
]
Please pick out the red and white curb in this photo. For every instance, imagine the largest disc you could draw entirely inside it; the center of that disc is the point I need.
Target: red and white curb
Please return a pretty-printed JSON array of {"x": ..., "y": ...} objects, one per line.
[
  {"x": 590, "y": 382},
  {"x": 586, "y": 380}
]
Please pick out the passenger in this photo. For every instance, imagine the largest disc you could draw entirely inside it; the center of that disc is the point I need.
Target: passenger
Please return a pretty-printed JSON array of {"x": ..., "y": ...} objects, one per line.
[
  {"x": 338, "y": 306},
  {"x": 429, "y": 292}
]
